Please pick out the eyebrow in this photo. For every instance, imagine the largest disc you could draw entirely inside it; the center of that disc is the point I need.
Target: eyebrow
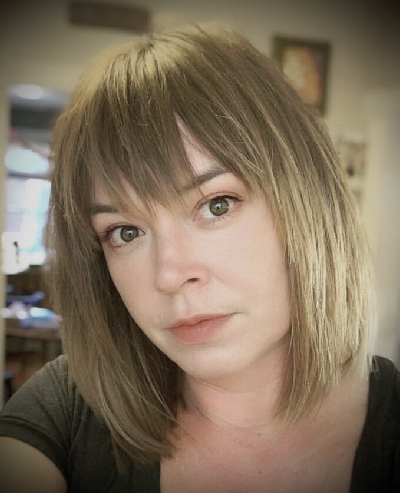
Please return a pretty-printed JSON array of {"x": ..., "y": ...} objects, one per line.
[
  {"x": 197, "y": 182},
  {"x": 204, "y": 177},
  {"x": 97, "y": 208}
]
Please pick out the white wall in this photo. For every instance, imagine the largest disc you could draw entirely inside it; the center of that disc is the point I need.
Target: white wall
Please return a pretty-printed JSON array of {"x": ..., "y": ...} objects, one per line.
[
  {"x": 37, "y": 45},
  {"x": 365, "y": 42},
  {"x": 381, "y": 213}
]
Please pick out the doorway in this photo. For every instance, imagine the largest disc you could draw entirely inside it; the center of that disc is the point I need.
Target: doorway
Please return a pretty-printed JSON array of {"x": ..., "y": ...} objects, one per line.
[{"x": 32, "y": 112}]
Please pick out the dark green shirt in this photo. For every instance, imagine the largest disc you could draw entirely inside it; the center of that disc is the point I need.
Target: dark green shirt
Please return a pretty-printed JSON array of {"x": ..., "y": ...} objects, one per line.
[{"x": 48, "y": 413}]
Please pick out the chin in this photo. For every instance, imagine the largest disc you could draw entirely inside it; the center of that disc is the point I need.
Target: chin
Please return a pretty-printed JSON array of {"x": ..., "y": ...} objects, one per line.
[{"x": 213, "y": 367}]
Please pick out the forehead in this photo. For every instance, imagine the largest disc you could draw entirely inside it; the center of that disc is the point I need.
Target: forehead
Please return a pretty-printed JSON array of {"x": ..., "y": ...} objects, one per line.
[{"x": 199, "y": 160}]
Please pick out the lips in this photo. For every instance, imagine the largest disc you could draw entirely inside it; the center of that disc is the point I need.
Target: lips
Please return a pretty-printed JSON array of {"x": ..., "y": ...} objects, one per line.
[{"x": 198, "y": 328}]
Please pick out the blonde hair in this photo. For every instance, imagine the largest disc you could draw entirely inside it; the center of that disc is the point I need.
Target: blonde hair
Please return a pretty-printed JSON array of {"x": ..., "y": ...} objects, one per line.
[{"x": 122, "y": 124}]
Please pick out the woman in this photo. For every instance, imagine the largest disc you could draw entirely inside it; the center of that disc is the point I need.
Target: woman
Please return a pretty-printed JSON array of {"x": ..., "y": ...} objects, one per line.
[{"x": 213, "y": 280}]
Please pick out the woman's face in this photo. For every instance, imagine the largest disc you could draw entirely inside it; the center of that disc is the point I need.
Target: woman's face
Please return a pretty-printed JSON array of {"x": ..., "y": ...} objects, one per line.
[{"x": 206, "y": 281}]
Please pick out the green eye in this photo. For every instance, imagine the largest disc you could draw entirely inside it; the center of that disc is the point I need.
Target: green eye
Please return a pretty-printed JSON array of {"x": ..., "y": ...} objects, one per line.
[
  {"x": 128, "y": 233},
  {"x": 219, "y": 206}
]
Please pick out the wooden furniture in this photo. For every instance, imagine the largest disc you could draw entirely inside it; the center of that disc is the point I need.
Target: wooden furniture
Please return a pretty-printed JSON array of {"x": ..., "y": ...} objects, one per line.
[
  {"x": 49, "y": 338},
  {"x": 8, "y": 389},
  {"x": 27, "y": 350}
]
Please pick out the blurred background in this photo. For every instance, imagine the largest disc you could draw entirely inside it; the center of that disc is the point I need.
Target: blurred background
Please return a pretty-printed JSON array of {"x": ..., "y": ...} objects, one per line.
[{"x": 343, "y": 57}]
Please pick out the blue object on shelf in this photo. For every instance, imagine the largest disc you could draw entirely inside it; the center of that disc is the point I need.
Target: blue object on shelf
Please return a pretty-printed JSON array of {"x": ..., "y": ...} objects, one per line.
[
  {"x": 27, "y": 299},
  {"x": 40, "y": 317}
]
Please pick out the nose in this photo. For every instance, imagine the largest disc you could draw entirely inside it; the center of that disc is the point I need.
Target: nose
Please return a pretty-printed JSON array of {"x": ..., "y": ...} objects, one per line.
[{"x": 179, "y": 262}]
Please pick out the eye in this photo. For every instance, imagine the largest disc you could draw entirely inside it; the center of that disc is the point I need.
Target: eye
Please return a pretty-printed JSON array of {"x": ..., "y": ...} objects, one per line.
[
  {"x": 123, "y": 234},
  {"x": 217, "y": 207}
]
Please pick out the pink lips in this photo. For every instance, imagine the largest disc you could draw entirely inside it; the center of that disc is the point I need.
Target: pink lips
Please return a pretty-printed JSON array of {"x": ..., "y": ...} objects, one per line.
[{"x": 199, "y": 328}]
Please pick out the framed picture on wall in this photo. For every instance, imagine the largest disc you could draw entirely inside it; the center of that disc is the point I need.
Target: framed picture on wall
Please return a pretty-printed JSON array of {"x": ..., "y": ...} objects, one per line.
[
  {"x": 352, "y": 151},
  {"x": 305, "y": 63}
]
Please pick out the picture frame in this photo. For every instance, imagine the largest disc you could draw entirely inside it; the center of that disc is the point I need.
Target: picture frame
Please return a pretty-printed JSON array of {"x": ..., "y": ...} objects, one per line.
[
  {"x": 352, "y": 152},
  {"x": 305, "y": 63}
]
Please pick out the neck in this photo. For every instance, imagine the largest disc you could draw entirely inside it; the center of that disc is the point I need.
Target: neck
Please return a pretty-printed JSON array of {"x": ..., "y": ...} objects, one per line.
[{"x": 245, "y": 401}]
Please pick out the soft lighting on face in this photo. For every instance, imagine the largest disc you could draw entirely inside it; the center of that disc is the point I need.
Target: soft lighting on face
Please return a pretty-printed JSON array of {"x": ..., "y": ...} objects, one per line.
[{"x": 28, "y": 91}]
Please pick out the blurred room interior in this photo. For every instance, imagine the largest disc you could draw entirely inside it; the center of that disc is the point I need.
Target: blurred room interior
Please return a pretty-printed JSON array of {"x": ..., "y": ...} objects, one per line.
[{"x": 44, "y": 46}]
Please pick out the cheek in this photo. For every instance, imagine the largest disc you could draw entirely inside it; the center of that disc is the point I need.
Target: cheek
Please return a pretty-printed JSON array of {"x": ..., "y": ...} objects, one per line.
[
  {"x": 259, "y": 271},
  {"x": 256, "y": 253},
  {"x": 133, "y": 285}
]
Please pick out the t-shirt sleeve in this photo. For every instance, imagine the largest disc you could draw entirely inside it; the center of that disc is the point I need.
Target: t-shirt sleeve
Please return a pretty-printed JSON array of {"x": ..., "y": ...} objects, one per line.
[
  {"x": 40, "y": 412},
  {"x": 49, "y": 413}
]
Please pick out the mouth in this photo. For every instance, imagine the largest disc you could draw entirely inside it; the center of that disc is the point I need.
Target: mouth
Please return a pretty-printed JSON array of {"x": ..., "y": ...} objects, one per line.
[{"x": 199, "y": 328}]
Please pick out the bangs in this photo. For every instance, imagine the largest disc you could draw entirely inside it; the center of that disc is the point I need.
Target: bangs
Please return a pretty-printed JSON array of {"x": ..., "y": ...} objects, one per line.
[
  {"x": 134, "y": 108},
  {"x": 133, "y": 137}
]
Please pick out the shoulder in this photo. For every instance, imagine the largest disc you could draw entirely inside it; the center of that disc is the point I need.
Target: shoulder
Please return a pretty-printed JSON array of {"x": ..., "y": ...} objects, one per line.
[
  {"x": 53, "y": 371},
  {"x": 50, "y": 387},
  {"x": 384, "y": 401},
  {"x": 377, "y": 462},
  {"x": 46, "y": 412},
  {"x": 47, "y": 383},
  {"x": 49, "y": 414}
]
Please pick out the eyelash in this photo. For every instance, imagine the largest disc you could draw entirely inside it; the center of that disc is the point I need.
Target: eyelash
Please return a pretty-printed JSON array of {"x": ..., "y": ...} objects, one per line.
[
  {"x": 225, "y": 216},
  {"x": 105, "y": 237}
]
